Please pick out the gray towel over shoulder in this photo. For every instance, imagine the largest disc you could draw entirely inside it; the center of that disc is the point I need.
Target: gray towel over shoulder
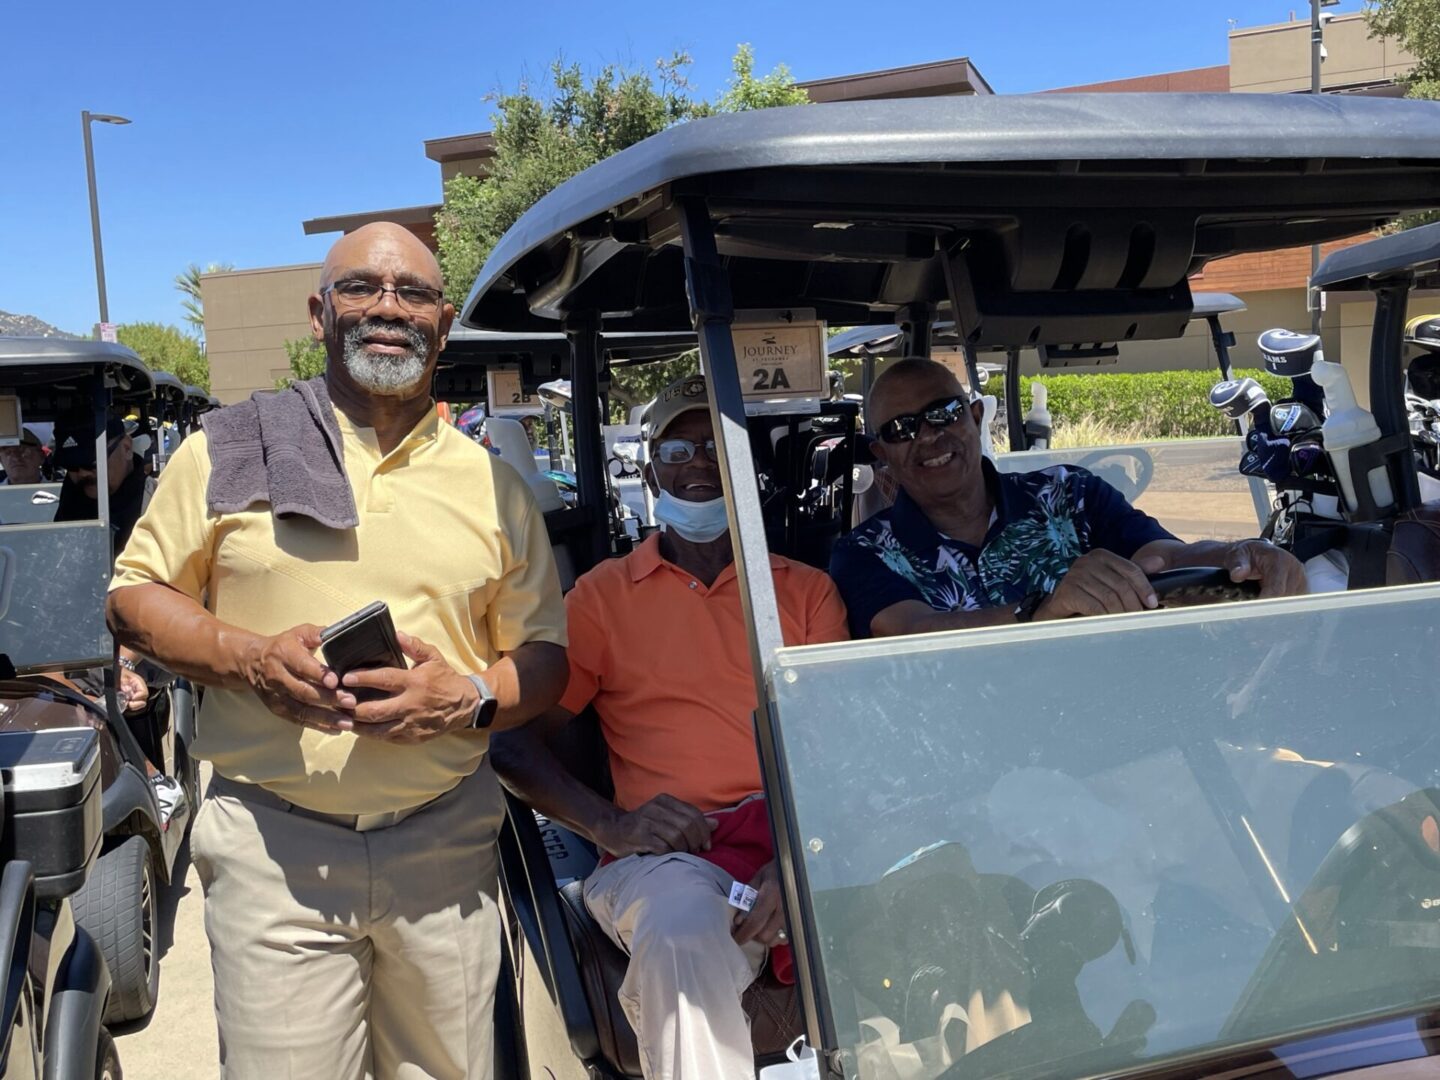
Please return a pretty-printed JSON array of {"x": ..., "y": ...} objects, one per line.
[{"x": 283, "y": 449}]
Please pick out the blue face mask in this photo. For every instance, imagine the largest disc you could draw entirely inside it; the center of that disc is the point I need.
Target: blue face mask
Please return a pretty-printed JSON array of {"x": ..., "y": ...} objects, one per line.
[{"x": 698, "y": 522}]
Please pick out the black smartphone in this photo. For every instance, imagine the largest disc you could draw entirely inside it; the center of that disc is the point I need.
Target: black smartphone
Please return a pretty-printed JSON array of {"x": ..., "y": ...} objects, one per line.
[{"x": 365, "y": 639}]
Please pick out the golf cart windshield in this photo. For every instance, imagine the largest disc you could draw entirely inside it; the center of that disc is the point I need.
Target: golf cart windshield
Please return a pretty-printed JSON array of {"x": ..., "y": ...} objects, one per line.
[
  {"x": 54, "y": 575},
  {"x": 1072, "y": 847}
]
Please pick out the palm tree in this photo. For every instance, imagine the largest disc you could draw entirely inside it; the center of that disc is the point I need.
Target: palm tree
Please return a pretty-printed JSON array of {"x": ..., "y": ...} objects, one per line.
[{"x": 188, "y": 284}]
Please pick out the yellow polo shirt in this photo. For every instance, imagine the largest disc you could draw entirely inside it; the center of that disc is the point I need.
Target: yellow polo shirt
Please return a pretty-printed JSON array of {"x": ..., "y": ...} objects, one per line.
[{"x": 449, "y": 536}]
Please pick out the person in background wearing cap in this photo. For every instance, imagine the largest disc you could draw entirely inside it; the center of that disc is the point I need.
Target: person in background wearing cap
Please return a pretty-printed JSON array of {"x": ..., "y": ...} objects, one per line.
[
  {"x": 966, "y": 546},
  {"x": 658, "y": 647},
  {"x": 25, "y": 463},
  {"x": 130, "y": 488}
]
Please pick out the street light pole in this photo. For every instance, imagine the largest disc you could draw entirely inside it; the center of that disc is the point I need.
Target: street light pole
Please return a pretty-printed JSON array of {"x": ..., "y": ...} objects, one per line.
[
  {"x": 86, "y": 117},
  {"x": 1317, "y": 57},
  {"x": 1317, "y": 43}
]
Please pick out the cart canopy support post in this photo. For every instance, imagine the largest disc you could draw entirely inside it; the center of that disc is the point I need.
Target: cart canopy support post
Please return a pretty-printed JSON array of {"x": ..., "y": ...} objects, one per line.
[
  {"x": 1387, "y": 377},
  {"x": 584, "y": 336},
  {"x": 916, "y": 324},
  {"x": 1224, "y": 341},
  {"x": 713, "y": 310},
  {"x": 1014, "y": 418}
]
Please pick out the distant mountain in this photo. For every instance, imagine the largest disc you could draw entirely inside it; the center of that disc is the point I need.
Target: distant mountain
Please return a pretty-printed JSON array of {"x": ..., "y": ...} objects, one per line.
[{"x": 29, "y": 326}]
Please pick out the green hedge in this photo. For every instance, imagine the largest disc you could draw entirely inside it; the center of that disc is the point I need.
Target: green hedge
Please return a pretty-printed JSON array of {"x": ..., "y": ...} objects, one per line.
[{"x": 1157, "y": 405}]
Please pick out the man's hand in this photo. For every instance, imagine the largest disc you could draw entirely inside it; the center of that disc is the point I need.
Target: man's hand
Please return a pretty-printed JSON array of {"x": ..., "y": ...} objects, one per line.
[
  {"x": 134, "y": 691},
  {"x": 1279, "y": 572},
  {"x": 423, "y": 702},
  {"x": 662, "y": 825},
  {"x": 1099, "y": 583},
  {"x": 766, "y": 920},
  {"x": 285, "y": 675}
]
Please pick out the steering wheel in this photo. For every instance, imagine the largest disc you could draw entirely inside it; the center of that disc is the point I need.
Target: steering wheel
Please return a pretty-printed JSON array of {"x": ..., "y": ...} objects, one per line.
[{"x": 1192, "y": 585}]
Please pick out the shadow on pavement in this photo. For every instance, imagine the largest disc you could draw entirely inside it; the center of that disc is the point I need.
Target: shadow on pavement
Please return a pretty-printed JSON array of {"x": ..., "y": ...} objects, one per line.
[{"x": 169, "y": 900}]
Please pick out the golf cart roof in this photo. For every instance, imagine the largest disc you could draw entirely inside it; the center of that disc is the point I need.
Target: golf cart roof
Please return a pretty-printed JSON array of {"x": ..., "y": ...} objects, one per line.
[
  {"x": 44, "y": 363},
  {"x": 198, "y": 398},
  {"x": 1414, "y": 251},
  {"x": 1215, "y": 303},
  {"x": 168, "y": 389},
  {"x": 484, "y": 347},
  {"x": 1055, "y": 211},
  {"x": 882, "y": 340}
]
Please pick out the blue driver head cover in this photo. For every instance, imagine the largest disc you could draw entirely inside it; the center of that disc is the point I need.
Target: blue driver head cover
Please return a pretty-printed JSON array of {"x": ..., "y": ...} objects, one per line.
[{"x": 1288, "y": 353}]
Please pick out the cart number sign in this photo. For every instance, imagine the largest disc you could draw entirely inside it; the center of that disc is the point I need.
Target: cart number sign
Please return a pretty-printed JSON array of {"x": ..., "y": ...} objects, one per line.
[
  {"x": 782, "y": 359},
  {"x": 507, "y": 394},
  {"x": 953, "y": 359},
  {"x": 10, "y": 420}
]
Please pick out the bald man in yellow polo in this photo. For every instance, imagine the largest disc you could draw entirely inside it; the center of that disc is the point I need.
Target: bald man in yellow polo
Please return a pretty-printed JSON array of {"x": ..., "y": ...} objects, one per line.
[{"x": 346, "y": 842}]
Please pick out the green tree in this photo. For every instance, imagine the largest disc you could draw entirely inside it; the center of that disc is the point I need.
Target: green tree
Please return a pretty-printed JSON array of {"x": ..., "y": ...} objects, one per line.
[
  {"x": 167, "y": 348},
  {"x": 1415, "y": 26},
  {"x": 631, "y": 386},
  {"x": 307, "y": 359},
  {"x": 188, "y": 285},
  {"x": 543, "y": 137},
  {"x": 546, "y": 135},
  {"x": 747, "y": 92}
]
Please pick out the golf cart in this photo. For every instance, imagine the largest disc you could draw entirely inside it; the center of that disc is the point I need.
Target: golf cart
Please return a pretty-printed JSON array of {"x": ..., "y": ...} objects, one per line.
[
  {"x": 197, "y": 403},
  {"x": 1102, "y": 846},
  {"x": 1312, "y": 447},
  {"x": 56, "y": 575},
  {"x": 165, "y": 417}
]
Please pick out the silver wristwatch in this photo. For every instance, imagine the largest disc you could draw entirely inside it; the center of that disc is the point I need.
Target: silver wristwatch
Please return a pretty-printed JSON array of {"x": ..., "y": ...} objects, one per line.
[{"x": 485, "y": 710}]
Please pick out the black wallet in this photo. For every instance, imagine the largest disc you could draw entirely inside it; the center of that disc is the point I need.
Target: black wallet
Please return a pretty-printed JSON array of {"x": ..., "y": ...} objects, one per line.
[{"x": 365, "y": 639}]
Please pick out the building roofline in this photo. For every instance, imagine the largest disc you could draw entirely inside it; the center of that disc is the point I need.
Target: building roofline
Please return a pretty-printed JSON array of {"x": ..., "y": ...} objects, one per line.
[
  {"x": 914, "y": 80},
  {"x": 263, "y": 270},
  {"x": 1209, "y": 69},
  {"x": 1271, "y": 28},
  {"x": 404, "y": 215},
  {"x": 455, "y": 147}
]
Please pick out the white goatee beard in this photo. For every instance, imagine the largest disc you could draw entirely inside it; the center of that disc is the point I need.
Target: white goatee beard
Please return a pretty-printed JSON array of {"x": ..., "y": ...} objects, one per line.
[{"x": 387, "y": 375}]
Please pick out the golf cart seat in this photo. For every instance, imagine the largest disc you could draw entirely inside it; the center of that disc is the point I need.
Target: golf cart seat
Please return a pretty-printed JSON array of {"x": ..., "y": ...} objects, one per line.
[
  {"x": 509, "y": 440},
  {"x": 581, "y": 967},
  {"x": 1414, "y": 554},
  {"x": 809, "y": 461}
]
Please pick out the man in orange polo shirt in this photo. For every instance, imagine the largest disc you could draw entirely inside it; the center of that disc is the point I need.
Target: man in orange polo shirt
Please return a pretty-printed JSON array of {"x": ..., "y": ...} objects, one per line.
[{"x": 658, "y": 647}]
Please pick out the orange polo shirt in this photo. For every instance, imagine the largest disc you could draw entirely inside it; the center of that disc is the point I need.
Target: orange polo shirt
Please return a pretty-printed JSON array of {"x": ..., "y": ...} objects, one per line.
[{"x": 666, "y": 663}]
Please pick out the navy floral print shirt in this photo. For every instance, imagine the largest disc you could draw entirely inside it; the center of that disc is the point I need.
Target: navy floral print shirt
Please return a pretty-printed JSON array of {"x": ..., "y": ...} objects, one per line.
[{"x": 1043, "y": 522}]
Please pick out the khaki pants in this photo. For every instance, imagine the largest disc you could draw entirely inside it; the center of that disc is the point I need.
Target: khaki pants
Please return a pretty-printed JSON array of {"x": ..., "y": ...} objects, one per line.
[
  {"x": 682, "y": 990},
  {"x": 350, "y": 955}
]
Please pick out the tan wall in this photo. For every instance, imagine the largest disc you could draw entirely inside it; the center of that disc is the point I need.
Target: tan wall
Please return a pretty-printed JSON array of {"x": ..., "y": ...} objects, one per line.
[
  {"x": 1193, "y": 351},
  {"x": 476, "y": 166},
  {"x": 1276, "y": 59},
  {"x": 1345, "y": 328},
  {"x": 249, "y": 315}
]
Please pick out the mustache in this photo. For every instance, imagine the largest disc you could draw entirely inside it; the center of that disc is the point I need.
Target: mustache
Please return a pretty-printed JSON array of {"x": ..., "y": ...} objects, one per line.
[{"x": 415, "y": 341}]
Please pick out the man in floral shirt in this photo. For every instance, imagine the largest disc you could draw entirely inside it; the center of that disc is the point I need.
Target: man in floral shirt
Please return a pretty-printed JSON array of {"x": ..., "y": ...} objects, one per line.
[{"x": 966, "y": 546}]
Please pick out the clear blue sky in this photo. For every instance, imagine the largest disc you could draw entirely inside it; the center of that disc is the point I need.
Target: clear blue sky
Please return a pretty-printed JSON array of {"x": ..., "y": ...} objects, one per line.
[{"x": 251, "y": 117}]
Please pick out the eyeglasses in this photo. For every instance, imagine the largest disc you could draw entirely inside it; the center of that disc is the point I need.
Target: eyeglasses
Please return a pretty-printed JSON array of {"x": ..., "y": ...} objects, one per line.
[
  {"x": 679, "y": 451},
  {"x": 357, "y": 293},
  {"x": 940, "y": 413}
]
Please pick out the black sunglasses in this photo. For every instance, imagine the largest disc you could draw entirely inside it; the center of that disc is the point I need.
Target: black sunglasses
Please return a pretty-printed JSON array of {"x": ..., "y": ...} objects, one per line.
[{"x": 939, "y": 413}]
